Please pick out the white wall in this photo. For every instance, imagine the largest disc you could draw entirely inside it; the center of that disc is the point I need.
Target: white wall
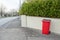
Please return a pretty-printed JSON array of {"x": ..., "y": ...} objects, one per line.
[
  {"x": 23, "y": 21},
  {"x": 36, "y": 22}
]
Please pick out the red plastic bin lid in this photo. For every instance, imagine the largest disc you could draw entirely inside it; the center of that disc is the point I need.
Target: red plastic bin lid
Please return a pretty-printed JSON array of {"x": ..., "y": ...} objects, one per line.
[{"x": 46, "y": 20}]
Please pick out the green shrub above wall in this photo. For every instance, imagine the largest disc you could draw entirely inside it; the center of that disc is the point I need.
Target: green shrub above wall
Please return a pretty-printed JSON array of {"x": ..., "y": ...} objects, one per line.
[{"x": 43, "y": 8}]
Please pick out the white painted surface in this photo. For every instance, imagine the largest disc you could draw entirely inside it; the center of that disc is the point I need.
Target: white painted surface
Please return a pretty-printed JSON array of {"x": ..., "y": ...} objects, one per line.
[
  {"x": 36, "y": 22},
  {"x": 23, "y": 21}
]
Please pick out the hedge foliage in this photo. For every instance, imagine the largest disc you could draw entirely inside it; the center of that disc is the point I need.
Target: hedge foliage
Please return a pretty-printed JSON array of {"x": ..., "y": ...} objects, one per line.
[{"x": 43, "y": 8}]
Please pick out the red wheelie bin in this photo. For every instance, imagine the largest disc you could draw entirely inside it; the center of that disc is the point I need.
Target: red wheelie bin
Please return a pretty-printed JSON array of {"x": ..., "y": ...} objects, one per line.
[{"x": 46, "y": 26}]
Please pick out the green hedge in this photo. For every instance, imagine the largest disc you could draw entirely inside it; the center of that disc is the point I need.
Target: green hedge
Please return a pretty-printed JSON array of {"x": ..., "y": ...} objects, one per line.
[{"x": 43, "y": 8}]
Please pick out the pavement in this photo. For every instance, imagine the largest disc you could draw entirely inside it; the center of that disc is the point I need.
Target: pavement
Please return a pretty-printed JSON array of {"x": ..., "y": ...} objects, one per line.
[{"x": 12, "y": 30}]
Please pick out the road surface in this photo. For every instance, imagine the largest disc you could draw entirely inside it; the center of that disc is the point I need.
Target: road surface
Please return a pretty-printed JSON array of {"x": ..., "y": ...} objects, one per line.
[{"x": 10, "y": 22}]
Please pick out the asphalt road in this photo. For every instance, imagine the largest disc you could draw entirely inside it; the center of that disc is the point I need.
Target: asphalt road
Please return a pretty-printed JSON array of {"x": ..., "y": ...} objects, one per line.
[{"x": 10, "y": 22}]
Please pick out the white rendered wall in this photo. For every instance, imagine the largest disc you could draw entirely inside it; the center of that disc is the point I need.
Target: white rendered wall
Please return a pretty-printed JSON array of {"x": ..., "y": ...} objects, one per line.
[
  {"x": 23, "y": 21},
  {"x": 36, "y": 22}
]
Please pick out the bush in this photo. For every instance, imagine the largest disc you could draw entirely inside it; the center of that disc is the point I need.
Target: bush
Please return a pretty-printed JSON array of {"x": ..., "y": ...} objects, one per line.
[{"x": 43, "y": 8}]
